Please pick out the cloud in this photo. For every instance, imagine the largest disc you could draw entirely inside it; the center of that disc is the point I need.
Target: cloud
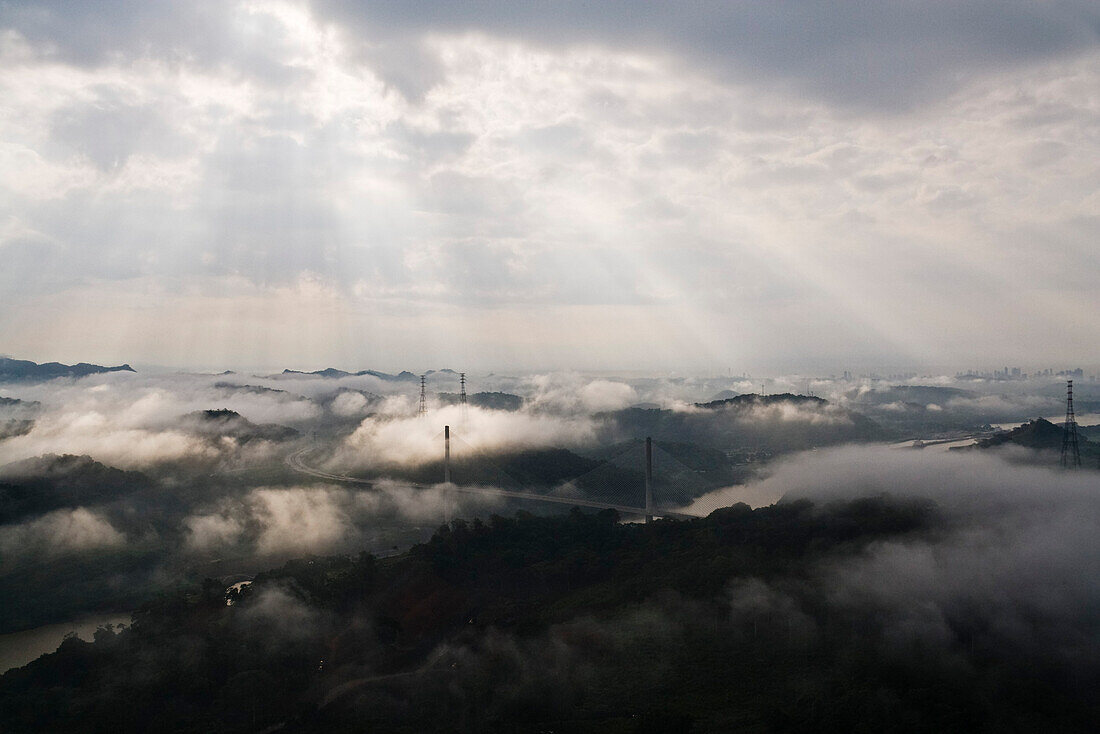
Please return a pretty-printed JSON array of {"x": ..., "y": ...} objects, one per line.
[
  {"x": 277, "y": 616},
  {"x": 1016, "y": 538},
  {"x": 882, "y": 55},
  {"x": 350, "y": 404},
  {"x": 211, "y": 531},
  {"x": 350, "y": 180},
  {"x": 303, "y": 520},
  {"x": 792, "y": 412},
  {"x": 603, "y": 395},
  {"x": 1008, "y": 572},
  {"x": 300, "y": 520},
  {"x": 57, "y": 533},
  {"x": 134, "y": 421},
  {"x": 973, "y": 480},
  {"x": 571, "y": 392},
  {"x": 92, "y": 433},
  {"x": 409, "y": 440}
]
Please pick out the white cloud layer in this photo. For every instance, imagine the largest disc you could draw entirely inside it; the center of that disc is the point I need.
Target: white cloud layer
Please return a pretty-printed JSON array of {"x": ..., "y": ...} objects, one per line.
[
  {"x": 134, "y": 421},
  {"x": 56, "y": 534},
  {"x": 515, "y": 186},
  {"x": 407, "y": 440},
  {"x": 295, "y": 521},
  {"x": 1013, "y": 546}
]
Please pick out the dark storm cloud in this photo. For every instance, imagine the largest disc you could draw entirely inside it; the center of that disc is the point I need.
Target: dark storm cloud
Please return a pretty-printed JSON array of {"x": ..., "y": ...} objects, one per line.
[
  {"x": 863, "y": 54},
  {"x": 854, "y": 53}
]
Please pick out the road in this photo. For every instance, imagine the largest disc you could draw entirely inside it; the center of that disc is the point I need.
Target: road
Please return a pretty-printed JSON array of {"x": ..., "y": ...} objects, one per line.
[{"x": 297, "y": 462}]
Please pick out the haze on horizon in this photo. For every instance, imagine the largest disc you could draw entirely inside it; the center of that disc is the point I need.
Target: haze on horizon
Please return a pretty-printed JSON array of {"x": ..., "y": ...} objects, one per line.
[{"x": 755, "y": 187}]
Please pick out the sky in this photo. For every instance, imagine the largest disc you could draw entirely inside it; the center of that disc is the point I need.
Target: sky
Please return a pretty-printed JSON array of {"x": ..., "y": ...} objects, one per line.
[{"x": 690, "y": 186}]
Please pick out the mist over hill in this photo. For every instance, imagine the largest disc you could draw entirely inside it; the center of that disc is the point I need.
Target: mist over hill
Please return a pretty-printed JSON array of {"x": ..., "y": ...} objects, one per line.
[
  {"x": 229, "y": 423},
  {"x": 124, "y": 491},
  {"x": 785, "y": 618},
  {"x": 489, "y": 400},
  {"x": 334, "y": 373},
  {"x": 531, "y": 367},
  {"x": 1037, "y": 441}
]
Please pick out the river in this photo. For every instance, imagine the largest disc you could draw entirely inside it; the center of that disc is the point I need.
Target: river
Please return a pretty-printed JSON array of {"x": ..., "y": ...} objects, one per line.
[{"x": 19, "y": 648}]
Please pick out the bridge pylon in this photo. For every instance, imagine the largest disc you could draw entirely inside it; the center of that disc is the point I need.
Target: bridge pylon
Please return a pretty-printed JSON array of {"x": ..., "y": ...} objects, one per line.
[
  {"x": 648, "y": 479},
  {"x": 446, "y": 454}
]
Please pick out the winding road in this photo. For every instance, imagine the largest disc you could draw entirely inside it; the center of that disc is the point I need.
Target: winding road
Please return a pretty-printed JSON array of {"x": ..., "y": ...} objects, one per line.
[{"x": 297, "y": 462}]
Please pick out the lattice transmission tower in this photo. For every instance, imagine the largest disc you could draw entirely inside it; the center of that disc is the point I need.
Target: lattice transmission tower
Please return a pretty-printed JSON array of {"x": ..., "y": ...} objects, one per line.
[
  {"x": 423, "y": 409},
  {"x": 462, "y": 396},
  {"x": 1071, "y": 452}
]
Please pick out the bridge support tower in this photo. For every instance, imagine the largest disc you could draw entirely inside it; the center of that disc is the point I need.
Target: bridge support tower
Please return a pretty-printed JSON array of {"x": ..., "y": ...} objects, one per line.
[
  {"x": 648, "y": 479},
  {"x": 446, "y": 454}
]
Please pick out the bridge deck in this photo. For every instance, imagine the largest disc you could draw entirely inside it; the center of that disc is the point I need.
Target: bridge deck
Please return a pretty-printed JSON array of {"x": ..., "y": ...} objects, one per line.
[{"x": 296, "y": 461}]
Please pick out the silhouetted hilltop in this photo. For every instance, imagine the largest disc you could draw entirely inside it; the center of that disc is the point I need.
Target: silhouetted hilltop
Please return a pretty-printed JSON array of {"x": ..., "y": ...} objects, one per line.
[
  {"x": 723, "y": 395},
  {"x": 487, "y": 400},
  {"x": 1043, "y": 439},
  {"x": 226, "y": 422},
  {"x": 44, "y": 483},
  {"x": 15, "y": 406},
  {"x": 17, "y": 416},
  {"x": 11, "y": 427},
  {"x": 769, "y": 423},
  {"x": 403, "y": 376},
  {"x": 1037, "y": 434},
  {"x": 333, "y": 373},
  {"x": 329, "y": 372},
  {"x": 22, "y": 370},
  {"x": 571, "y": 623},
  {"x": 232, "y": 387},
  {"x": 749, "y": 400}
]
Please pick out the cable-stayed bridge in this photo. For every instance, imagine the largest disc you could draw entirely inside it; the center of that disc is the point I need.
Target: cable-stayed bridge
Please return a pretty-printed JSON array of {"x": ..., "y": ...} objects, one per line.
[{"x": 629, "y": 483}]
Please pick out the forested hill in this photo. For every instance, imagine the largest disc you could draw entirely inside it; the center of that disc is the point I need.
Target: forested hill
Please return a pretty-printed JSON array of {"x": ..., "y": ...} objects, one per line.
[
  {"x": 23, "y": 370},
  {"x": 570, "y": 623}
]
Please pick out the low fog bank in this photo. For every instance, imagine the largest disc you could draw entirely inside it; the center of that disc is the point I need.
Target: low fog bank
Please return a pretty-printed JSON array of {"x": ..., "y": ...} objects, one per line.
[
  {"x": 185, "y": 473},
  {"x": 138, "y": 420},
  {"x": 985, "y": 615},
  {"x": 277, "y": 523},
  {"x": 1013, "y": 566},
  {"x": 955, "y": 479},
  {"x": 405, "y": 440},
  {"x": 859, "y": 607}
]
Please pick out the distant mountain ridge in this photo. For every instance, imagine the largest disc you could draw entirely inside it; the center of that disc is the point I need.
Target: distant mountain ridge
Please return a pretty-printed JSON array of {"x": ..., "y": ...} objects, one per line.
[
  {"x": 20, "y": 370},
  {"x": 333, "y": 373},
  {"x": 753, "y": 399}
]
